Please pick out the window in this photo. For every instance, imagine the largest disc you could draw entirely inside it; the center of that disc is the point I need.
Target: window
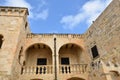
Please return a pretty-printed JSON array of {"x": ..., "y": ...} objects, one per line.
[
  {"x": 41, "y": 70},
  {"x": 65, "y": 61},
  {"x": 26, "y": 24},
  {"x": 1, "y": 40},
  {"x": 94, "y": 51},
  {"x": 20, "y": 54},
  {"x": 66, "y": 69},
  {"x": 41, "y": 61}
]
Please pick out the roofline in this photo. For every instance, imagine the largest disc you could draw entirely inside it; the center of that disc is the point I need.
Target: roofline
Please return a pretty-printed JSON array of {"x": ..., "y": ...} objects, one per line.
[
  {"x": 16, "y": 8},
  {"x": 56, "y": 33}
]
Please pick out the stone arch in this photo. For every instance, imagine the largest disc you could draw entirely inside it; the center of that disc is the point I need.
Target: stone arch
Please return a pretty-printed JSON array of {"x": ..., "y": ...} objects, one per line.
[
  {"x": 38, "y": 50},
  {"x": 36, "y": 79},
  {"x": 70, "y": 58},
  {"x": 71, "y": 50},
  {"x": 115, "y": 75},
  {"x": 78, "y": 45},
  {"x": 38, "y": 59},
  {"x": 75, "y": 78}
]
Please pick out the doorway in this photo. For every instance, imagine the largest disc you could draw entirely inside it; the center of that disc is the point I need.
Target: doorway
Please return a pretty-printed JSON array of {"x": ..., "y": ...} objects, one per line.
[
  {"x": 65, "y": 61},
  {"x": 41, "y": 61},
  {"x": 41, "y": 69}
]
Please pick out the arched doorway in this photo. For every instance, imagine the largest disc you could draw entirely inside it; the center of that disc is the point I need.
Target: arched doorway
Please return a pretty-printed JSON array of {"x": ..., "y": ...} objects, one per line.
[
  {"x": 36, "y": 79},
  {"x": 38, "y": 59},
  {"x": 75, "y": 78},
  {"x": 70, "y": 58},
  {"x": 115, "y": 75}
]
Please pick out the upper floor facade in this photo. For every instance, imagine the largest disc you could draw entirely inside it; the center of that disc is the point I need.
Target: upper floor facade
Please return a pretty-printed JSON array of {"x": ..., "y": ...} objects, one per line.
[{"x": 93, "y": 55}]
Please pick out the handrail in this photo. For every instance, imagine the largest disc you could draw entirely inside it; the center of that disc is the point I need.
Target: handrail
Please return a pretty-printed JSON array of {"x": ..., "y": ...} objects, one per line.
[
  {"x": 73, "y": 68},
  {"x": 48, "y": 69},
  {"x": 57, "y": 35},
  {"x": 42, "y": 69}
]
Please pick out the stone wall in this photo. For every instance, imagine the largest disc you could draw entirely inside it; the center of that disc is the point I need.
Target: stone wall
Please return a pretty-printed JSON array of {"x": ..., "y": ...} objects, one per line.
[
  {"x": 17, "y": 40},
  {"x": 11, "y": 28},
  {"x": 105, "y": 34}
]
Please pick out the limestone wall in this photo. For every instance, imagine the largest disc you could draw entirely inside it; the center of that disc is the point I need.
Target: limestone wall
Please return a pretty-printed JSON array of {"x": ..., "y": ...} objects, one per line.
[
  {"x": 11, "y": 27},
  {"x": 105, "y": 34}
]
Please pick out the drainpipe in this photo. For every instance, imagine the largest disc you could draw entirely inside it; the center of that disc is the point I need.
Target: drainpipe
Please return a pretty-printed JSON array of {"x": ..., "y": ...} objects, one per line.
[{"x": 55, "y": 58}]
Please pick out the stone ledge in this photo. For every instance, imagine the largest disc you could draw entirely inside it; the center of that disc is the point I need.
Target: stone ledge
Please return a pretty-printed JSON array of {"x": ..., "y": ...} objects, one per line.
[{"x": 13, "y": 11}]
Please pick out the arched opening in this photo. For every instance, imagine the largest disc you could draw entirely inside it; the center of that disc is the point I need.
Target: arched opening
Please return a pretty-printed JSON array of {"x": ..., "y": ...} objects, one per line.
[
  {"x": 115, "y": 75},
  {"x": 70, "y": 53},
  {"x": 1, "y": 40},
  {"x": 38, "y": 59},
  {"x": 70, "y": 58},
  {"x": 75, "y": 78},
  {"x": 37, "y": 53},
  {"x": 36, "y": 79}
]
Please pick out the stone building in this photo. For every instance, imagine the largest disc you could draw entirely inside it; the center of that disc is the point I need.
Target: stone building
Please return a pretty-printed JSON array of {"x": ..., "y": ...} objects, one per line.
[{"x": 94, "y": 55}]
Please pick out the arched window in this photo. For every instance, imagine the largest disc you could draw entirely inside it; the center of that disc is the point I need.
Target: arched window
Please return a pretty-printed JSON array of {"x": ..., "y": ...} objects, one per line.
[
  {"x": 20, "y": 54},
  {"x": 1, "y": 40},
  {"x": 26, "y": 24},
  {"x": 115, "y": 75}
]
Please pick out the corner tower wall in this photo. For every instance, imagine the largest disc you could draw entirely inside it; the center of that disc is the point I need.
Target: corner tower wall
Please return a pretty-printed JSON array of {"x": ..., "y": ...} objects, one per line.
[{"x": 12, "y": 28}]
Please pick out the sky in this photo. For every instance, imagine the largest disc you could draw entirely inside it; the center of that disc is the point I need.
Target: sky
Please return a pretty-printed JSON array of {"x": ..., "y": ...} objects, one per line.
[{"x": 60, "y": 16}]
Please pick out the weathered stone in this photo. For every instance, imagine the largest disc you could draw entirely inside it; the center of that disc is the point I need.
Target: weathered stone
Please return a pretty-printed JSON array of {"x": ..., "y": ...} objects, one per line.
[{"x": 63, "y": 56}]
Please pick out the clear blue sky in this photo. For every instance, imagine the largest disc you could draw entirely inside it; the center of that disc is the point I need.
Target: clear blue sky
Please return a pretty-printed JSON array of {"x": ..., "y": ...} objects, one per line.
[{"x": 60, "y": 16}]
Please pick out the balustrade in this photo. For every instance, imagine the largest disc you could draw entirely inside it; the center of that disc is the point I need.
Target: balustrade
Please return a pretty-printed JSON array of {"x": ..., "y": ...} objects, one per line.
[
  {"x": 48, "y": 69},
  {"x": 73, "y": 68},
  {"x": 52, "y": 35},
  {"x": 44, "y": 69}
]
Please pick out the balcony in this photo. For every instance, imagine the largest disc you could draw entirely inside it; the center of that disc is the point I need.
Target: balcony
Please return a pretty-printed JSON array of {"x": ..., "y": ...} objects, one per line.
[
  {"x": 41, "y": 61},
  {"x": 43, "y": 69},
  {"x": 48, "y": 69},
  {"x": 73, "y": 69}
]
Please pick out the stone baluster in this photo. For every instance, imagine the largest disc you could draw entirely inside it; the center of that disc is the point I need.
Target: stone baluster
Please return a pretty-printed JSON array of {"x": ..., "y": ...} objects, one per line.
[
  {"x": 24, "y": 70},
  {"x": 84, "y": 68},
  {"x": 27, "y": 70},
  {"x": 60, "y": 69},
  {"x": 71, "y": 68},
  {"x": 21, "y": 70},
  {"x": 34, "y": 69},
  {"x": 75, "y": 68},
  {"x": 30, "y": 70},
  {"x": 81, "y": 69},
  {"x": 44, "y": 70},
  {"x": 37, "y": 69},
  {"x": 40, "y": 69},
  {"x": 63, "y": 70},
  {"x": 51, "y": 69},
  {"x": 78, "y": 69},
  {"x": 47, "y": 69}
]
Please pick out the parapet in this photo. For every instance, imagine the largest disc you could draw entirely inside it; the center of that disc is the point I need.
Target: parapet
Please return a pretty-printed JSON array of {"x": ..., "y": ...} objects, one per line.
[
  {"x": 47, "y": 35},
  {"x": 13, "y": 11}
]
